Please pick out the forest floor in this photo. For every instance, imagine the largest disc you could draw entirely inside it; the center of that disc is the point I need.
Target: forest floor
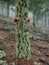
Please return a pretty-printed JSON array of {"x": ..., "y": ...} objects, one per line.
[{"x": 39, "y": 48}]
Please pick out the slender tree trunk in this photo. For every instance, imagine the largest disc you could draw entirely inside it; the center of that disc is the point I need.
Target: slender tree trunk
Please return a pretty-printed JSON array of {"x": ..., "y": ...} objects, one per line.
[
  {"x": 2, "y": 7},
  {"x": 34, "y": 19},
  {"x": 7, "y": 9},
  {"x": 22, "y": 30},
  {"x": 45, "y": 19}
]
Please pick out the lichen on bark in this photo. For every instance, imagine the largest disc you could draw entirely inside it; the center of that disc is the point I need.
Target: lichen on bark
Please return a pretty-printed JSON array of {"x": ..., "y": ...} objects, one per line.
[{"x": 22, "y": 30}]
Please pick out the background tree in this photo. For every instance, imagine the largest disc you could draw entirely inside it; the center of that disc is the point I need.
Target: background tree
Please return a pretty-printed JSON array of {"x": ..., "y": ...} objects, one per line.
[
  {"x": 9, "y": 2},
  {"x": 36, "y": 6}
]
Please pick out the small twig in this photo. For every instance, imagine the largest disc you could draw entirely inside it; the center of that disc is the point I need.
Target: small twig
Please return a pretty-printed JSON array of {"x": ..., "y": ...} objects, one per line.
[{"x": 44, "y": 61}]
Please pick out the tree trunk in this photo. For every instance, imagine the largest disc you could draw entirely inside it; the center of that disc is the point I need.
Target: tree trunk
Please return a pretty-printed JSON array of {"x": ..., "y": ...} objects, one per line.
[
  {"x": 2, "y": 3},
  {"x": 34, "y": 17},
  {"x": 22, "y": 30},
  {"x": 45, "y": 19},
  {"x": 7, "y": 9}
]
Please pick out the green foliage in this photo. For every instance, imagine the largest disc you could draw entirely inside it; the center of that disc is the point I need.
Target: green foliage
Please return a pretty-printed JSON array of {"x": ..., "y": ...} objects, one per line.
[
  {"x": 2, "y": 54},
  {"x": 9, "y": 1},
  {"x": 36, "y": 5},
  {"x": 1, "y": 61}
]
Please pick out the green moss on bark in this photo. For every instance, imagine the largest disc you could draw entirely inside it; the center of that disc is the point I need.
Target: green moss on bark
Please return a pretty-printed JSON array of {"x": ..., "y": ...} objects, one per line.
[{"x": 22, "y": 30}]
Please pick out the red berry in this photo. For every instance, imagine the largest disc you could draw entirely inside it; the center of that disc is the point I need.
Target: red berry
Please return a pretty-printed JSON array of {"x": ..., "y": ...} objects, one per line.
[
  {"x": 16, "y": 19},
  {"x": 28, "y": 19}
]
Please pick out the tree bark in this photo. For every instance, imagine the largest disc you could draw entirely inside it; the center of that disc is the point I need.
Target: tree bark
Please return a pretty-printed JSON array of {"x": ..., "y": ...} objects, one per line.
[
  {"x": 34, "y": 17},
  {"x": 22, "y": 30},
  {"x": 45, "y": 19},
  {"x": 7, "y": 9}
]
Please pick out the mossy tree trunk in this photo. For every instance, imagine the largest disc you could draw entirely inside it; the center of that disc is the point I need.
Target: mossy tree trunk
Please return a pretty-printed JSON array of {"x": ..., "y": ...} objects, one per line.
[{"x": 22, "y": 30}]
